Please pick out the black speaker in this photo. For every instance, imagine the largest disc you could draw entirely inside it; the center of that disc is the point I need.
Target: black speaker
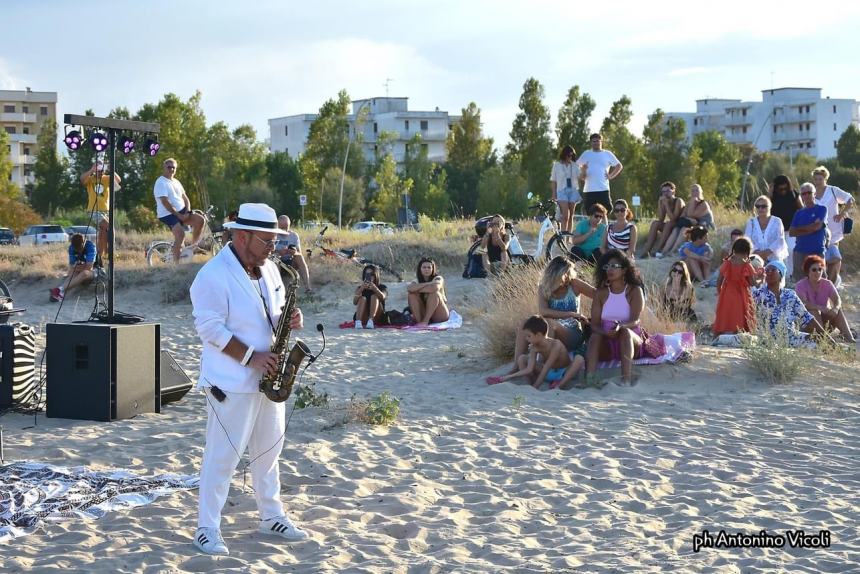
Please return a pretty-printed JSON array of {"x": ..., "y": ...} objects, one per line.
[
  {"x": 103, "y": 372},
  {"x": 17, "y": 365},
  {"x": 175, "y": 384}
]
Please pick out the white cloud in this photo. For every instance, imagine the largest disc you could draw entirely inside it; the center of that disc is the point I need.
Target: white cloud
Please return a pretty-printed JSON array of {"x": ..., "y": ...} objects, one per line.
[{"x": 7, "y": 80}]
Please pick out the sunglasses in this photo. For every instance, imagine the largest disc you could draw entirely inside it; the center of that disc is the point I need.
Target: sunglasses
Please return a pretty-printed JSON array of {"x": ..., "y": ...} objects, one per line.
[
  {"x": 619, "y": 209},
  {"x": 269, "y": 244},
  {"x": 676, "y": 270},
  {"x": 170, "y": 167},
  {"x": 816, "y": 269},
  {"x": 761, "y": 206},
  {"x": 609, "y": 266},
  {"x": 805, "y": 193}
]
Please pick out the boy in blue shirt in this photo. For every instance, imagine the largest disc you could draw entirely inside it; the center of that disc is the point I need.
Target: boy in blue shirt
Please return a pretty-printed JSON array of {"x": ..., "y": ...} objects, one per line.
[
  {"x": 809, "y": 227},
  {"x": 82, "y": 256},
  {"x": 697, "y": 253}
]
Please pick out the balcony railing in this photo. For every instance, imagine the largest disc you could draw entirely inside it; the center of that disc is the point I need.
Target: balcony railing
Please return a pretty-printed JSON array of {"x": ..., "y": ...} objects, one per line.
[
  {"x": 18, "y": 117},
  {"x": 22, "y": 138}
]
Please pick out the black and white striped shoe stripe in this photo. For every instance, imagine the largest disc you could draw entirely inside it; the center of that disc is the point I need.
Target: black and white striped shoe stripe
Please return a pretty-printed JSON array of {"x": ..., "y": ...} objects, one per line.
[
  {"x": 279, "y": 527},
  {"x": 202, "y": 538}
]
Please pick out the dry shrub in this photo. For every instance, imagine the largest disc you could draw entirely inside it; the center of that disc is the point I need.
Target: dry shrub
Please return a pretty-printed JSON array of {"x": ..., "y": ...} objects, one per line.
[
  {"x": 729, "y": 217},
  {"x": 511, "y": 298},
  {"x": 850, "y": 248},
  {"x": 770, "y": 354}
]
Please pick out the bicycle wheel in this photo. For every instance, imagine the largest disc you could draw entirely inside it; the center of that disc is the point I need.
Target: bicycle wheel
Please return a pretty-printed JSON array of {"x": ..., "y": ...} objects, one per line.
[
  {"x": 560, "y": 244},
  {"x": 4, "y": 290},
  {"x": 382, "y": 267},
  {"x": 159, "y": 254}
]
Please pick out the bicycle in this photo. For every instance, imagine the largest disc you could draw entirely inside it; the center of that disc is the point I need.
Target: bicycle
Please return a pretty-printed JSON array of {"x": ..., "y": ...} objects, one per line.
[
  {"x": 350, "y": 255},
  {"x": 160, "y": 252},
  {"x": 560, "y": 242}
]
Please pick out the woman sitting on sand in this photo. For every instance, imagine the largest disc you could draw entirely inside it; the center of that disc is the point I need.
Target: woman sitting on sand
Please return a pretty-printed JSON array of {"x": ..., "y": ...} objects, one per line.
[
  {"x": 821, "y": 298},
  {"x": 696, "y": 212},
  {"x": 615, "y": 312},
  {"x": 369, "y": 298},
  {"x": 766, "y": 232},
  {"x": 678, "y": 294},
  {"x": 427, "y": 301},
  {"x": 782, "y": 310},
  {"x": 558, "y": 303}
]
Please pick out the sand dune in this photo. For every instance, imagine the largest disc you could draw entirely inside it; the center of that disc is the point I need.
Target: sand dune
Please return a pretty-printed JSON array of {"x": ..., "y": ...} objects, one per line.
[{"x": 475, "y": 478}]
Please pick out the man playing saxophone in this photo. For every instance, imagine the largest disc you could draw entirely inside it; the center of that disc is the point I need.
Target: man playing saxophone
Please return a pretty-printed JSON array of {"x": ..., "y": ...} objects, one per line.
[{"x": 238, "y": 297}]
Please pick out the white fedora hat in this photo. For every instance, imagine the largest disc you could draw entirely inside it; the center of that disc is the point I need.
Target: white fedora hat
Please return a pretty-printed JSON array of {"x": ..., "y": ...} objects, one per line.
[{"x": 256, "y": 217}]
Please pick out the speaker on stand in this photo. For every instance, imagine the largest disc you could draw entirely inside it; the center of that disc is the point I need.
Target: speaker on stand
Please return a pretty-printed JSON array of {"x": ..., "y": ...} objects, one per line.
[{"x": 175, "y": 384}]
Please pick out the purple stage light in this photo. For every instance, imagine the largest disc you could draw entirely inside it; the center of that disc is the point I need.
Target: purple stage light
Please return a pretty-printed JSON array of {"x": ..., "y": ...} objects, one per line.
[
  {"x": 73, "y": 139},
  {"x": 151, "y": 147},
  {"x": 98, "y": 141},
  {"x": 125, "y": 144}
]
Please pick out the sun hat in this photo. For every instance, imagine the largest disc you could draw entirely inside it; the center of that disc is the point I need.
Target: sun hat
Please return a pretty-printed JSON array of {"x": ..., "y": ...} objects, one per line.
[{"x": 256, "y": 217}]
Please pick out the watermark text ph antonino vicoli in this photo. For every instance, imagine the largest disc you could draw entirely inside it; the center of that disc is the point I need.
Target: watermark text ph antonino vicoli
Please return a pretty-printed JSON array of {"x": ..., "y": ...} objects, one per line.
[{"x": 761, "y": 539}]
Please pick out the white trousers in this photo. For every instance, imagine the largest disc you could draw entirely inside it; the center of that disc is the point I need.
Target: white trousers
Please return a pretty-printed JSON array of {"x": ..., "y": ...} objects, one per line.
[{"x": 248, "y": 420}]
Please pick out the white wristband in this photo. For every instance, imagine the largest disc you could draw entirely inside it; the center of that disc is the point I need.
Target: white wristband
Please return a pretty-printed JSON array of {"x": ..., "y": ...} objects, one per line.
[{"x": 247, "y": 356}]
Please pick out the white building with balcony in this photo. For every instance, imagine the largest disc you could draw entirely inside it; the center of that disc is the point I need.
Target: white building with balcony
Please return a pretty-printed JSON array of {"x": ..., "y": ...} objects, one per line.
[
  {"x": 21, "y": 115},
  {"x": 290, "y": 133},
  {"x": 787, "y": 120}
]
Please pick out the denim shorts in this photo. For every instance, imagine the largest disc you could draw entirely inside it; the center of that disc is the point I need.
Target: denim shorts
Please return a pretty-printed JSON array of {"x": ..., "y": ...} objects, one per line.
[
  {"x": 568, "y": 194},
  {"x": 170, "y": 220},
  {"x": 833, "y": 253}
]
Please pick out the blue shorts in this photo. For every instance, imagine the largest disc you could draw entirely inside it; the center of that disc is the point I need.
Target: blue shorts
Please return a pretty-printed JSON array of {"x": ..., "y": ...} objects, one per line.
[
  {"x": 171, "y": 220},
  {"x": 568, "y": 194},
  {"x": 833, "y": 253},
  {"x": 555, "y": 375}
]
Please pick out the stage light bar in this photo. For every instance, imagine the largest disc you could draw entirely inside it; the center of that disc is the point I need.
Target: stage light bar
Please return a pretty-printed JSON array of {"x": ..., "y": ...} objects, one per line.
[
  {"x": 151, "y": 147},
  {"x": 73, "y": 139},
  {"x": 98, "y": 141},
  {"x": 125, "y": 144}
]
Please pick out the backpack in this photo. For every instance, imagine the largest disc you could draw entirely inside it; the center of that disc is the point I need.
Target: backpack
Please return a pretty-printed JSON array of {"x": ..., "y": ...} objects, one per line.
[{"x": 474, "y": 268}]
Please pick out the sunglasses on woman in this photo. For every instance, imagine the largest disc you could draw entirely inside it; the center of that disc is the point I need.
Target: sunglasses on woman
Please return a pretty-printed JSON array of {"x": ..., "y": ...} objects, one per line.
[
  {"x": 609, "y": 266},
  {"x": 677, "y": 270},
  {"x": 761, "y": 206},
  {"x": 816, "y": 269}
]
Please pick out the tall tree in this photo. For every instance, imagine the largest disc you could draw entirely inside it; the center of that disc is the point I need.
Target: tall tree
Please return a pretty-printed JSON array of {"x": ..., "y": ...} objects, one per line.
[
  {"x": 667, "y": 153},
  {"x": 53, "y": 187},
  {"x": 713, "y": 148},
  {"x": 390, "y": 187},
  {"x": 428, "y": 196},
  {"x": 285, "y": 181},
  {"x": 502, "y": 190},
  {"x": 7, "y": 188},
  {"x": 530, "y": 141},
  {"x": 469, "y": 154},
  {"x": 629, "y": 150},
  {"x": 572, "y": 126},
  {"x": 848, "y": 147}
]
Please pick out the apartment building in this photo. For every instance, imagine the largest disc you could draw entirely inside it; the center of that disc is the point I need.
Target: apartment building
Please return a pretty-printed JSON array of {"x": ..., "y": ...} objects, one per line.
[
  {"x": 290, "y": 133},
  {"x": 787, "y": 120},
  {"x": 21, "y": 115}
]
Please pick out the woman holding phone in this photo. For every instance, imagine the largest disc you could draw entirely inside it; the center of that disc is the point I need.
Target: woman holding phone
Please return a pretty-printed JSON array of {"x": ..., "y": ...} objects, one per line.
[{"x": 369, "y": 298}]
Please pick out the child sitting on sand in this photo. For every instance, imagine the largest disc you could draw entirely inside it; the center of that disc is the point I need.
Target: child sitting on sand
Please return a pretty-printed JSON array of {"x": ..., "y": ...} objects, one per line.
[
  {"x": 697, "y": 253},
  {"x": 547, "y": 359}
]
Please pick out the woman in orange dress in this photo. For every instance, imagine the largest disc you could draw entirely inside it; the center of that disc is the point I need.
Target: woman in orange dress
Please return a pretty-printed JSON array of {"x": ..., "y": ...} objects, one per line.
[{"x": 735, "y": 311}]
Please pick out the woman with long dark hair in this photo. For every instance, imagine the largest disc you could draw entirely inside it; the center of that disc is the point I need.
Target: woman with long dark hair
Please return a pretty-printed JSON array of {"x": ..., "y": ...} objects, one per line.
[
  {"x": 785, "y": 202},
  {"x": 615, "y": 313},
  {"x": 427, "y": 300},
  {"x": 369, "y": 298}
]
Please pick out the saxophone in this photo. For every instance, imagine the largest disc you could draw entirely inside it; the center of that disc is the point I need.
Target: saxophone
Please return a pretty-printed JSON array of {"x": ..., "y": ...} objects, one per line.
[{"x": 278, "y": 386}]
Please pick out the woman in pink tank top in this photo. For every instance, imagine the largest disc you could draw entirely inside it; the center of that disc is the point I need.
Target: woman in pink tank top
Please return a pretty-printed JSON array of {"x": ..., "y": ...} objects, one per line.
[{"x": 615, "y": 311}]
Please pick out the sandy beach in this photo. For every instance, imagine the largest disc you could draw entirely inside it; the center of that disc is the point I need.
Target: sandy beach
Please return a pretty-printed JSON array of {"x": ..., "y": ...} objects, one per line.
[{"x": 473, "y": 478}]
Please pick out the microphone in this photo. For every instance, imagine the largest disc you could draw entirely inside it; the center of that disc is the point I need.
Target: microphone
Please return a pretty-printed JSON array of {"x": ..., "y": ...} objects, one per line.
[{"x": 321, "y": 330}]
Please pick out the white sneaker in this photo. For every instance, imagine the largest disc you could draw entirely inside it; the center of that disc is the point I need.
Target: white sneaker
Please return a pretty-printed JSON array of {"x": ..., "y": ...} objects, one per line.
[
  {"x": 369, "y": 324},
  {"x": 658, "y": 255},
  {"x": 187, "y": 252},
  {"x": 209, "y": 540},
  {"x": 358, "y": 324},
  {"x": 283, "y": 527}
]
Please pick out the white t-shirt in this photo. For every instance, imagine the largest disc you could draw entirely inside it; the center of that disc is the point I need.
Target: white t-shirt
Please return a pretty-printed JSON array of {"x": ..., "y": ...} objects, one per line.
[
  {"x": 599, "y": 162},
  {"x": 291, "y": 238},
  {"x": 561, "y": 172},
  {"x": 173, "y": 191},
  {"x": 833, "y": 197}
]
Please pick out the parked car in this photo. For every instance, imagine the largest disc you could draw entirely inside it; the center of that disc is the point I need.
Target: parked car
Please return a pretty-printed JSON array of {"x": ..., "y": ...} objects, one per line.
[
  {"x": 43, "y": 235},
  {"x": 315, "y": 224},
  {"x": 373, "y": 226},
  {"x": 88, "y": 231},
  {"x": 7, "y": 236}
]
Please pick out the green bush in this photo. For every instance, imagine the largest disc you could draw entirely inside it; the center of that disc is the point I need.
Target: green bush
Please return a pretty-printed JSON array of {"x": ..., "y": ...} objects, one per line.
[
  {"x": 142, "y": 219},
  {"x": 306, "y": 396},
  {"x": 382, "y": 409}
]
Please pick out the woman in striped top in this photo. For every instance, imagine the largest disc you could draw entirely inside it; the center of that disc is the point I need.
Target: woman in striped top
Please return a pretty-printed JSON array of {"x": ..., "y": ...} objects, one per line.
[{"x": 621, "y": 233}]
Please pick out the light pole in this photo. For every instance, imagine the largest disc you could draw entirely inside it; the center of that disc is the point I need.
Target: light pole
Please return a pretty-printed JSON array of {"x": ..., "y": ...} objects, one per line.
[{"x": 358, "y": 121}]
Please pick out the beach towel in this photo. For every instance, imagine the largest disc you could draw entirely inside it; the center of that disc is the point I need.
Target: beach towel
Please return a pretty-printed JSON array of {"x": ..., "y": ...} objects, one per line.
[
  {"x": 455, "y": 321},
  {"x": 662, "y": 349},
  {"x": 31, "y": 493}
]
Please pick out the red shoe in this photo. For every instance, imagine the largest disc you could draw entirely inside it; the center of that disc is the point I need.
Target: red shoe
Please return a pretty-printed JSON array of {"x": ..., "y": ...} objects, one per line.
[
  {"x": 56, "y": 296},
  {"x": 494, "y": 380}
]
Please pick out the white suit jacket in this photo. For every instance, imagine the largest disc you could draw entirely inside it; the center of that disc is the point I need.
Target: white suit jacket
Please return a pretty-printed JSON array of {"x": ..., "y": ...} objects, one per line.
[{"x": 228, "y": 304}]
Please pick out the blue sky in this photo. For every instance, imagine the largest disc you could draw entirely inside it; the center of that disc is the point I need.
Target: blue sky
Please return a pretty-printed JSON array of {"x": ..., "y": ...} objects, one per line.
[{"x": 257, "y": 59}]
